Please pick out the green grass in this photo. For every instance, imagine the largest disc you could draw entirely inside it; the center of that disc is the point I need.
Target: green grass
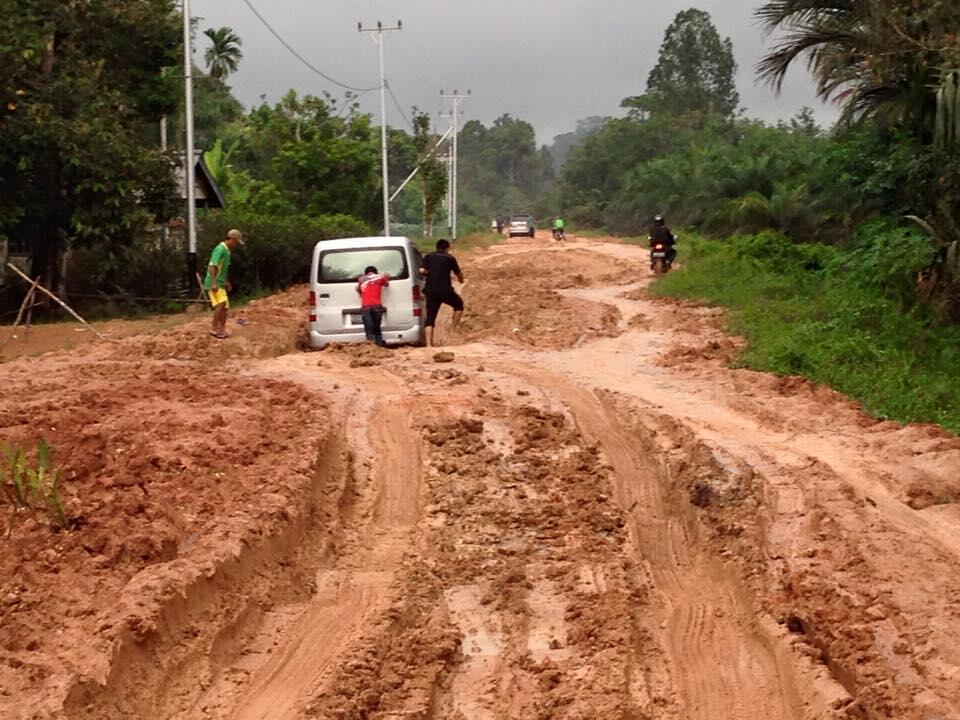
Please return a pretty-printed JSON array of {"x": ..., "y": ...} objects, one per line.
[{"x": 842, "y": 317}]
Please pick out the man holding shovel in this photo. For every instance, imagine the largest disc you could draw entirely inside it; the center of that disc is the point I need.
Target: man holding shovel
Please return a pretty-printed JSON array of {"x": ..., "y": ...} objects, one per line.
[{"x": 217, "y": 282}]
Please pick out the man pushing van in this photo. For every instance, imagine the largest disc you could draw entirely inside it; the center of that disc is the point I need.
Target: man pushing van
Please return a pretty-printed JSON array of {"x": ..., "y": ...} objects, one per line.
[
  {"x": 437, "y": 268},
  {"x": 370, "y": 286}
]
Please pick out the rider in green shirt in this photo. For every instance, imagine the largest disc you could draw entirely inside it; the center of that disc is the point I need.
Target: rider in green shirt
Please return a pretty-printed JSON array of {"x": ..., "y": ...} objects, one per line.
[{"x": 558, "y": 228}]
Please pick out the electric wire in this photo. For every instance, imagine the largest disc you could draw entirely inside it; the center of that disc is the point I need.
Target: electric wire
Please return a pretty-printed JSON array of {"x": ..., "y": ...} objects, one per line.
[
  {"x": 416, "y": 65},
  {"x": 398, "y": 105},
  {"x": 300, "y": 57}
]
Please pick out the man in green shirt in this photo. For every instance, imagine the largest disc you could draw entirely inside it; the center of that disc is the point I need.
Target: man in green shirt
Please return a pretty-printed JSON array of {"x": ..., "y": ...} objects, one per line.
[{"x": 217, "y": 282}]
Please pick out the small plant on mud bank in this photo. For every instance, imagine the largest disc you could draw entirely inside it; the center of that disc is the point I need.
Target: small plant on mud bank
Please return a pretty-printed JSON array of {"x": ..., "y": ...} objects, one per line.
[{"x": 36, "y": 487}]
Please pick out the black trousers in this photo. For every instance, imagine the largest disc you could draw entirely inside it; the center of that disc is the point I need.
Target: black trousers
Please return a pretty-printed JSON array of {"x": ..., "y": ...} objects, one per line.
[{"x": 372, "y": 317}]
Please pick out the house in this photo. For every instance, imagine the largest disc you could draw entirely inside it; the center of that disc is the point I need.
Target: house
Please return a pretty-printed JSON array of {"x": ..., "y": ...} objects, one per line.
[{"x": 207, "y": 192}]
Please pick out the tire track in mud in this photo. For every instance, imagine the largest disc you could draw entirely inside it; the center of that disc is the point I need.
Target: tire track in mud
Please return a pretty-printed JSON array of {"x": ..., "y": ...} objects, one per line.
[
  {"x": 723, "y": 659},
  {"x": 518, "y": 601},
  {"x": 300, "y": 646}
]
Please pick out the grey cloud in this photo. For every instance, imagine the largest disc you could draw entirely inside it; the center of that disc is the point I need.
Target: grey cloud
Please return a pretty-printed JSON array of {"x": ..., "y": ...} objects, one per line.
[{"x": 550, "y": 62}]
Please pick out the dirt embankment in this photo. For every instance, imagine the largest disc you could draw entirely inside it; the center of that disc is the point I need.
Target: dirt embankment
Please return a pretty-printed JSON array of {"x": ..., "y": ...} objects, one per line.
[
  {"x": 166, "y": 466},
  {"x": 593, "y": 516}
]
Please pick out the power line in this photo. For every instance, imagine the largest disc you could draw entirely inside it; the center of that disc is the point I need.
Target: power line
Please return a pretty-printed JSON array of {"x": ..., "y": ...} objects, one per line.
[
  {"x": 379, "y": 34},
  {"x": 343, "y": 8},
  {"x": 300, "y": 57},
  {"x": 398, "y": 105}
]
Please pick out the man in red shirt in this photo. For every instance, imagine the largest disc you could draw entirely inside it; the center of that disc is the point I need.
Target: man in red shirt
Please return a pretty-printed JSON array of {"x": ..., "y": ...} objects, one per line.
[{"x": 370, "y": 286}]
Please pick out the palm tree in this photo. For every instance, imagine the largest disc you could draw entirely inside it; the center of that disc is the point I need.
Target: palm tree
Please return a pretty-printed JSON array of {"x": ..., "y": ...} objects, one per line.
[
  {"x": 787, "y": 208},
  {"x": 224, "y": 54},
  {"x": 876, "y": 57}
]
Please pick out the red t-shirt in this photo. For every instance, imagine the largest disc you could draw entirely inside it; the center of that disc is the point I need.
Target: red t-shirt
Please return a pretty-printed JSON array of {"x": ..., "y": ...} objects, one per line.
[{"x": 371, "y": 289}]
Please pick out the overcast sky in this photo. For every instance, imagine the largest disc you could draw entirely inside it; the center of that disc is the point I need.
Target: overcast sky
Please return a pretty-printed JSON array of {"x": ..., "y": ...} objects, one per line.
[{"x": 550, "y": 62}]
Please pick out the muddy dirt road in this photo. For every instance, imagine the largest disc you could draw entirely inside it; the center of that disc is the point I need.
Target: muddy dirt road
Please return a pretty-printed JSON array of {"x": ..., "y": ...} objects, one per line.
[{"x": 585, "y": 514}]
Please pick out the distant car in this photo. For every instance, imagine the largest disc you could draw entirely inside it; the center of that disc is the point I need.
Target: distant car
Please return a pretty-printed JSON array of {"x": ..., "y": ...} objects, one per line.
[{"x": 521, "y": 225}]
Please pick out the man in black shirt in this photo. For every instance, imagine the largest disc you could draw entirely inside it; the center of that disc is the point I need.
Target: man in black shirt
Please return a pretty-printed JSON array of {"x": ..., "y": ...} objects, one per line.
[{"x": 437, "y": 267}]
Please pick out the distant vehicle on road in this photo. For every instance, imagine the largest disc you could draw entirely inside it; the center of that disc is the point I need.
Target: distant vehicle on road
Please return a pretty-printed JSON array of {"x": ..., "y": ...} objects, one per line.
[
  {"x": 521, "y": 224},
  {"x": 334, "y": 301}
]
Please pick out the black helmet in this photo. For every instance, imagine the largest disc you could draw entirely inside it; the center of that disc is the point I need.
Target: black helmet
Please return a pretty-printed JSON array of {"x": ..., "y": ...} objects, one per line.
[{"x": 658, "y": 220}]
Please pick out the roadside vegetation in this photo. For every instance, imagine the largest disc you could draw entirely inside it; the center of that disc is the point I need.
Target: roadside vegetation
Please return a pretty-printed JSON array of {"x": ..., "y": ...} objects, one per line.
[
  {"x": 837, "y": 250},
  {"x": 844, "y": 317}
]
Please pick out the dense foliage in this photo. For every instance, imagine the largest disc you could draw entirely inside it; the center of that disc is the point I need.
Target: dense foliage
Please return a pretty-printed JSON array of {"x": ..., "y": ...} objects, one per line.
[
  {"x": 82, "y": 85},
  {"x": 502, "y": 171},
  {"x": 892, "y": 156}
]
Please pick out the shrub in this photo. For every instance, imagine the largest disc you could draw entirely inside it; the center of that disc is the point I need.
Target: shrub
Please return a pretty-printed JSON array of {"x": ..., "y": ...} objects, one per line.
[{"x": 277, "y": 250}]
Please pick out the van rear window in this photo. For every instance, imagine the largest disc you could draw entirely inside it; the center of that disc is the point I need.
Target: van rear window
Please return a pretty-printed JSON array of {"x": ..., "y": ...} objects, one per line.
[{"x": 347, "y": 265}]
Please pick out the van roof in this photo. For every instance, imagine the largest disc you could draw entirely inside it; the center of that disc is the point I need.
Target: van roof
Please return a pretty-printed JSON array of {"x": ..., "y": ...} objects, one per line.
[{"x": 377, "y": 241}]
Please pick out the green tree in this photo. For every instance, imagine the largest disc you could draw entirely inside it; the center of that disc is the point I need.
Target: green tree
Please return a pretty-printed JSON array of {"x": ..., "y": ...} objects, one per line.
[
  {"x": 301, "y": 154},
  {"x": 564, "y": 143},
  {"x": 502, "y": 169},
  {"x": 894, "y": 61},
  {"x": 84, "y": 82},
  {"x": 224, "y": 54},
  {"x": 694, "y": 73},
  {"x": 433, "y": 178}
]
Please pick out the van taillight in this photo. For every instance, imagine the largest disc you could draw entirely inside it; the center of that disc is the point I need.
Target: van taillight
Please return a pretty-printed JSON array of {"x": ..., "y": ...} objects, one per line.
[
  {"x": 417, "y": 310},
  {"x": 313, "y": 306}
]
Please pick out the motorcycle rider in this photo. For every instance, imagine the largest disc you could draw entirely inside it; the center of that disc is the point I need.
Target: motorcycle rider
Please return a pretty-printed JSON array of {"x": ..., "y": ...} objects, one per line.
[
  {"x": 660, "y": 233},
  {"x": 558, "y": 228}
]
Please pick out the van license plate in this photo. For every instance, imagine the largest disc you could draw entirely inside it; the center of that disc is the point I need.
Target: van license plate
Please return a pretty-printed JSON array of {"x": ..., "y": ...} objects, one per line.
[{"x": 355, "y": 319}]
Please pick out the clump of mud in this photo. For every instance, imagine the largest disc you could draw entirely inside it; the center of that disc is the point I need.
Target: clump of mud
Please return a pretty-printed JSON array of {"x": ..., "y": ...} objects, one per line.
[
  {"x": 513, "y": 299},
  {"x": 365, "y": 354},
  {"x": 264, "y": 328}
]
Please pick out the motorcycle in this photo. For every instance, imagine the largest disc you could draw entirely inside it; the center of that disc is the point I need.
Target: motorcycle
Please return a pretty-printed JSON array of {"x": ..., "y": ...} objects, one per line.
[
  {"x": 559, "y": 234},
  {"x": 660, "y": 259}
]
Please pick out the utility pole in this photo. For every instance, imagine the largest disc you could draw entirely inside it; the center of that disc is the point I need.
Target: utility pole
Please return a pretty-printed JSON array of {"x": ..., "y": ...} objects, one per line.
[
  {"x": 378, "y": 38},
  {"x": 447, "y": 160},
  {"x": 454, "y": 170},
  {"x": 190, "y": 169}
]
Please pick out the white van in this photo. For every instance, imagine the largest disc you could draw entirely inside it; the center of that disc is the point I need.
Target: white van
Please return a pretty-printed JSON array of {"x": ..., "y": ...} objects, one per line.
[{"x": 335, "y": 302}]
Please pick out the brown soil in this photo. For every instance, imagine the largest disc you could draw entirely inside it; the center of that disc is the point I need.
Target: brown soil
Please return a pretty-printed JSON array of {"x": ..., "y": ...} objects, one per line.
[{"x": 592, "y": 517}]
